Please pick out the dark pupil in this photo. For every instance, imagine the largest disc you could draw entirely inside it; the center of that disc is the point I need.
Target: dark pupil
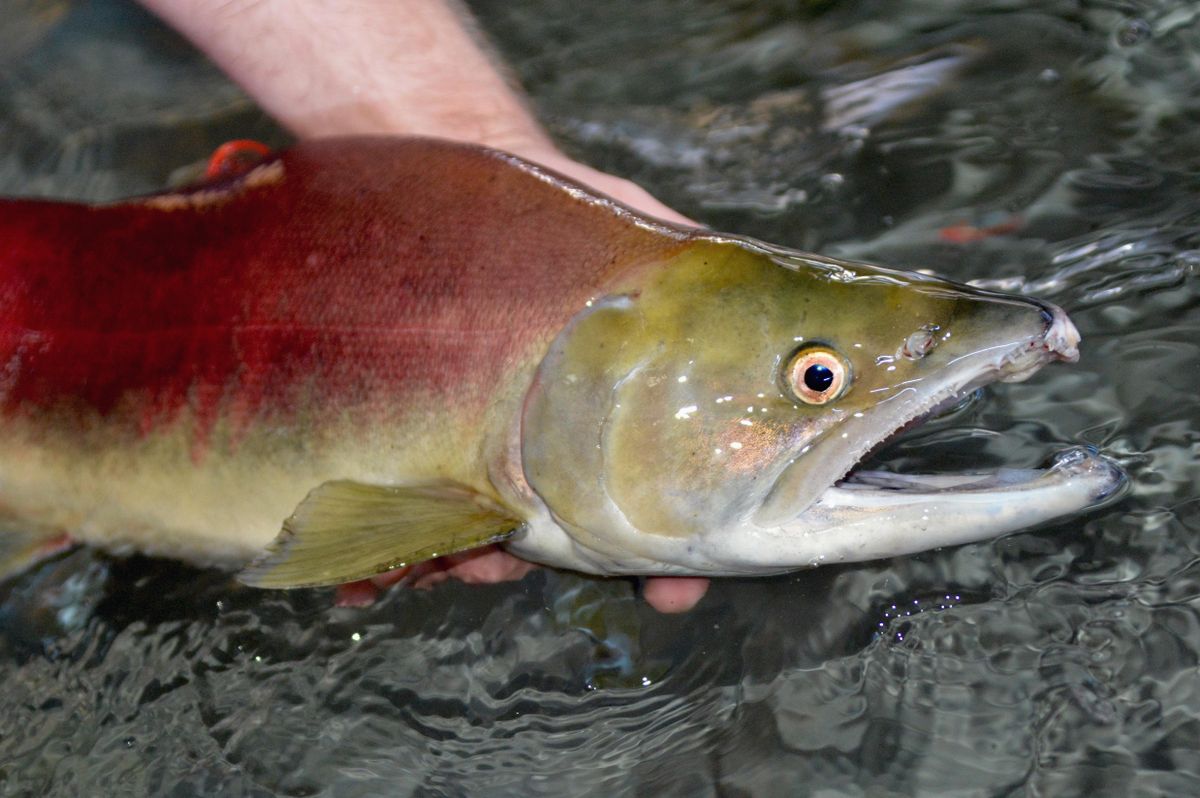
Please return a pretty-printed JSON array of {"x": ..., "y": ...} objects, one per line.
[{"x": 818, "y": 378}]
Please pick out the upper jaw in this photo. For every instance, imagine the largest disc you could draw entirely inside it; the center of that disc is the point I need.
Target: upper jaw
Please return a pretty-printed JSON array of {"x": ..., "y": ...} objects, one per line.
[{"x": 1060, "y": 341}]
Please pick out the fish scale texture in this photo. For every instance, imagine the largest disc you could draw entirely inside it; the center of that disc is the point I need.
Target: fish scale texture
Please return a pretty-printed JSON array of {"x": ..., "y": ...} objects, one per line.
[{"x": 341, "y": 275}]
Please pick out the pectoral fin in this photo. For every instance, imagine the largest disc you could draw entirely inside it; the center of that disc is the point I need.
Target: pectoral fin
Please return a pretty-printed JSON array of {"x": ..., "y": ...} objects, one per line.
[{"x": 344, "y": 531}]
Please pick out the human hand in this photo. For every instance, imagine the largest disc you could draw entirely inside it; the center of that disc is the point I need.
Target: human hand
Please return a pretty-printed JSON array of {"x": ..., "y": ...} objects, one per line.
[{"x": 491, "y": 564}]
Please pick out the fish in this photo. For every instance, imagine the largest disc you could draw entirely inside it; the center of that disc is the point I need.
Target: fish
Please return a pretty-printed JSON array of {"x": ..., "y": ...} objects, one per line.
[{"x": 361, "y": 353}]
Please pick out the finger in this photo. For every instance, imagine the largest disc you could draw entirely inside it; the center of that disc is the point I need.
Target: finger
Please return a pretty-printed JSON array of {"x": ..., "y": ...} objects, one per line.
[
  {"x": 389, "y": 578},
  {"x": 487, "y": 566},
  {"x": 672, "y": 594},
  {"x": 356, "y": 594},
  {"x": 639, "y": 198}
]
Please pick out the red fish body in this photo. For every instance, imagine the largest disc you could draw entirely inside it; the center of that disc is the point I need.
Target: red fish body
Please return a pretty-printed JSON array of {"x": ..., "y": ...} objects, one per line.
[
  {"x": 368, "y": 301},
  {"x": 356, "y": 270}
]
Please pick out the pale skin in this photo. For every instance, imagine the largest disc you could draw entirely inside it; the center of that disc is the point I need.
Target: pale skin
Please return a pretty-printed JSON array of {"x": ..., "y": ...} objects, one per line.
[{"x": 414, "y": 67}]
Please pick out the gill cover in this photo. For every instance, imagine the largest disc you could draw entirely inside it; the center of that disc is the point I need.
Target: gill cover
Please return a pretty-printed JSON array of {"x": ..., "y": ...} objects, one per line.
[{"x": 662, "y": 409}]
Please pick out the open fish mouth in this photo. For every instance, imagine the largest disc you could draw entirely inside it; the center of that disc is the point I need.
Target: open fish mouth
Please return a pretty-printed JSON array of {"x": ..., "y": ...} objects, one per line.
[
  {"x": 1061, "y": 342},
  {"x": 867, "y": 514}
]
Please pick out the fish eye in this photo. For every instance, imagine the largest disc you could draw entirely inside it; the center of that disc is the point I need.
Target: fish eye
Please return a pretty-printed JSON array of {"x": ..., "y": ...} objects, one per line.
[{"x": 817, "y": 375}]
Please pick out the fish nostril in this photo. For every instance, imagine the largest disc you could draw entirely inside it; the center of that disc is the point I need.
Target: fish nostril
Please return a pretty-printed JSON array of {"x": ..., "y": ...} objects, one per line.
[{"x": 920, "y": 343}]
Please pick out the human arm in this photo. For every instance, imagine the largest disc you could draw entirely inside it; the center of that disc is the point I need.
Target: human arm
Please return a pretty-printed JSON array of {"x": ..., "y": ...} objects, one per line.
[{"x": 325, "y": 68}]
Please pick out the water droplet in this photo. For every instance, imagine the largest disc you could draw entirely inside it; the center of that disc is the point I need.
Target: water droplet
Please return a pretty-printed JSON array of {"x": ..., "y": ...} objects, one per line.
[
  {"x": 832, "y": 181},
  {"x": 684, "y": 413}
]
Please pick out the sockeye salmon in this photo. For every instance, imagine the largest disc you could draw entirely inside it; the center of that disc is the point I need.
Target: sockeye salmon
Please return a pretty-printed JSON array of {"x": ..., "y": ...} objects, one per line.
[{"x": 366, "y": 352}]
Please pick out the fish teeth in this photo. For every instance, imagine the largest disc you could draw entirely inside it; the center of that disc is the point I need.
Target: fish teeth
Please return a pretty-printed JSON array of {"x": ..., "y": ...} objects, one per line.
[
  {"x": 1062, "y": 338},
  {"x": 1060, "y": 341}
]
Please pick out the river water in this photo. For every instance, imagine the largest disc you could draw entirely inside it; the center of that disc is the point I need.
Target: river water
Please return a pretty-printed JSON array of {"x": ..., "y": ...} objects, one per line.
[{"x": 1051, "y": 148}]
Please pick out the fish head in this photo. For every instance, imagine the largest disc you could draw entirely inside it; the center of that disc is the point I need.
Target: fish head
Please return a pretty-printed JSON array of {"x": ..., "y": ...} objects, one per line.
[{"x": 705, "y": 417}]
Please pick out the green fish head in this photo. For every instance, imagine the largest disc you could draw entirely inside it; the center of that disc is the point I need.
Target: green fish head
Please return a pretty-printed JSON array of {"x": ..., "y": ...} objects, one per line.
[{"x": 704, "y": 418}]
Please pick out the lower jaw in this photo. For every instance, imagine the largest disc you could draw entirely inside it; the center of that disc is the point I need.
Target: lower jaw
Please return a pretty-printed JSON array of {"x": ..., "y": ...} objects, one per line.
[{"x": 876, "y": 514}]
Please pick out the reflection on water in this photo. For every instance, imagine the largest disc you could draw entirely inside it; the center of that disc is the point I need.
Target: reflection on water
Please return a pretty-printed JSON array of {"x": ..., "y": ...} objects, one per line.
[{"x": 1053, "y": 150}]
